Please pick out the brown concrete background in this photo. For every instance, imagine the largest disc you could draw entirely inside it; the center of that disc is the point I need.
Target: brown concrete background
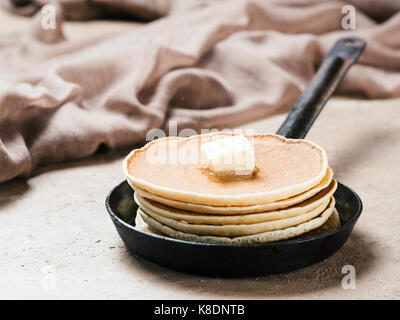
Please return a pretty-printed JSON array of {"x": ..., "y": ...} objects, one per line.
[{"x": 57, "y": 218}]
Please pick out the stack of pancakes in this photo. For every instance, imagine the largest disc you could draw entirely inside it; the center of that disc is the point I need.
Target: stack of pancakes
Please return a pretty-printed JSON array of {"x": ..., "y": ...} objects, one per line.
[{"x": 291, "y": 194}]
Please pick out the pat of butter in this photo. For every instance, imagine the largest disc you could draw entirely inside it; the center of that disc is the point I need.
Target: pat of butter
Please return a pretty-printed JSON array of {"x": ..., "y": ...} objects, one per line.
[{"x": 229, "y": 155}]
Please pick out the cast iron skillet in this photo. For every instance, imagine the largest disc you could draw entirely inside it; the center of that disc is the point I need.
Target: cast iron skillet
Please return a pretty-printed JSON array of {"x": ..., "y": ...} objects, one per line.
[{"x": 245, "y": 260}]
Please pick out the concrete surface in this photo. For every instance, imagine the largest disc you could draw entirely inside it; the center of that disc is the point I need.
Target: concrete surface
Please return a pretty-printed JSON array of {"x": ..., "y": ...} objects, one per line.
[{"x": 57, "y": 241}]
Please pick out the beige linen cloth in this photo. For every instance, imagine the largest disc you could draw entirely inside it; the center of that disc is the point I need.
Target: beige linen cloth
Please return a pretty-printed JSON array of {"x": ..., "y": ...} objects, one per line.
[{"x": 203, "y": 64}]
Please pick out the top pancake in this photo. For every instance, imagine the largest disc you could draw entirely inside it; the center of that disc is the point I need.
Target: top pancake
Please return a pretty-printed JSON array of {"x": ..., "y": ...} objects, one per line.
[{"x": 172, "y": 168}]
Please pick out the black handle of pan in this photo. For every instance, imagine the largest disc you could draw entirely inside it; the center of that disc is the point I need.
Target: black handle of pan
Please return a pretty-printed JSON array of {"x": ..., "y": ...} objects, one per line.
[{"x": 333, "y": 68}]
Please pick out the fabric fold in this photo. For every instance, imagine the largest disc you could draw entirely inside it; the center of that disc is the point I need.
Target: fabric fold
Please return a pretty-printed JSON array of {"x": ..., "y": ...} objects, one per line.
[{"x": 204, "y": 65}]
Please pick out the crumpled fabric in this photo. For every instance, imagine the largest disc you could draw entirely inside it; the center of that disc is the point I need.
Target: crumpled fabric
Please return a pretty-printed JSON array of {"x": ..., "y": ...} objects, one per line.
[{"x": 206, "y": 64}]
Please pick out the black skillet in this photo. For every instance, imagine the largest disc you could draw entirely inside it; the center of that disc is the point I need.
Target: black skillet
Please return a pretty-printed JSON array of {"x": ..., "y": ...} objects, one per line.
[{"x": 245, "y": 260}]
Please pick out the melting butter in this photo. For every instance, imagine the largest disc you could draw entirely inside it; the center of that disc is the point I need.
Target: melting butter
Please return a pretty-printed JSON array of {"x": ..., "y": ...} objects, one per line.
[
  {"x": 228, "y": 176},
  {"x": 228, "y": 155}
]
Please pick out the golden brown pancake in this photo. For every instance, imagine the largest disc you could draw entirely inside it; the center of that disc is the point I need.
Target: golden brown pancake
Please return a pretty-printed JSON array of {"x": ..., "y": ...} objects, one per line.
[
  {"x": 326, "y": 186},
  {"x": 234, "y": 230},
  {"x": 211, "y": 219},
  {"x": 263, "y": 237},
  {"x": 332, "y": 223},
  {"x": 173, "y": 168}
]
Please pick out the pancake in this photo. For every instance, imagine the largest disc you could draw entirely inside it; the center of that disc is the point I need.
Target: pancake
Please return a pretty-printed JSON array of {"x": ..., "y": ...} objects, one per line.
[
  {"x": 264, "y": 237},
  {"x": 196, "y": 218},
  {"x": 239, "y": 229},
  {"x": 143, "y": 226},
  {"x": 326, "y": 186},
  {"x": 171, "y": 167},
  {"x": 332, "y": 223}
]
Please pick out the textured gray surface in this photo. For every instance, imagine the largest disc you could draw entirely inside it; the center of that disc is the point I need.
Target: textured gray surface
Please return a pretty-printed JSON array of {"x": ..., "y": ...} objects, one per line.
[{"x": 57, "y": 241}]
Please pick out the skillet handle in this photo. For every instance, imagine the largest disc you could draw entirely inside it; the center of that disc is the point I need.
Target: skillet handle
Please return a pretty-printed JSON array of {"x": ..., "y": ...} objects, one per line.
[{"x": 333, "y": 68}]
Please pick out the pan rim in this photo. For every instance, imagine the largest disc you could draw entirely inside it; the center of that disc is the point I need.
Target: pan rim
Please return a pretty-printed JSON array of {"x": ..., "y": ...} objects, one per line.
[{"x": 288, "y": 242}]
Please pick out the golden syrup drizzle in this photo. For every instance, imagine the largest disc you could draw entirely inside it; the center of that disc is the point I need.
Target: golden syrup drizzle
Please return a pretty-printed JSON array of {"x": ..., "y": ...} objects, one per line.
[{"x": 227, "y": 176}]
